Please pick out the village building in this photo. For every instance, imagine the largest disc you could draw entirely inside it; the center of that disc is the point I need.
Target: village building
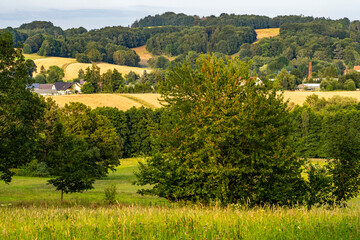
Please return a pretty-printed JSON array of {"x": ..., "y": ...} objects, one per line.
[{"x": 309, "y": 86}]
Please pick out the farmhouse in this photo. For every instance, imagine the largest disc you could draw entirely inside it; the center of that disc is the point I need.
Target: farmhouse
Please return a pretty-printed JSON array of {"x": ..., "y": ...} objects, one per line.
[
  {"x": 65, "y": 88},
  {"x": 308, "y": 86},
  {"x": 356, "y": 68},
  {"x": 58, "y": 88},
  {"x": 43, "y": 89}
]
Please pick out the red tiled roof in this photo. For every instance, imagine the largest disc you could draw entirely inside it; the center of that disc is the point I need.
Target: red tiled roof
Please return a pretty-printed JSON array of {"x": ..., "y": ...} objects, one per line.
[{"x": 357, "y": 68}]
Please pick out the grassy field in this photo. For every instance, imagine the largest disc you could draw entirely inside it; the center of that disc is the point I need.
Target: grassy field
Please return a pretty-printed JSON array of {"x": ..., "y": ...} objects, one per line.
[
  {"x": 72, "y": 67},
  {"x": 267, "y": 32},
  {"x": 30, "y": 209},
  {"x": 35, "y": 190}
]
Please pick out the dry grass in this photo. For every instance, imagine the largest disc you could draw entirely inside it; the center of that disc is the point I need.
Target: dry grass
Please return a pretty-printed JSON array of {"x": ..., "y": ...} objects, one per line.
[
  {"x": 120, "y": 101},
  {"x": 299, "y": 97},
  {"x": 144, "y": 55},
  {"x": 72, "y": 70},
  {"x": 53, "y": 61},
  {"x": 267, "y": 32},
  {"x": 72, "y": 67},
  {"x": 126, "y": 101},
  {"x": 33, "y": 56}
]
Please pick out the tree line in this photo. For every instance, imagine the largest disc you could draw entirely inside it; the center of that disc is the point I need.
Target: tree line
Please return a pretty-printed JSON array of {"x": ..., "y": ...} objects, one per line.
[
  {"x": 254, "y": 21},
  {"x": 223, "y": 39}
]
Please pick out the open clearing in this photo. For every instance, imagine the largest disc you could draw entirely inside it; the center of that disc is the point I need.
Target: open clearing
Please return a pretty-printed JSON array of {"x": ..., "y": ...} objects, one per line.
[
  {"x": 267, "y": 32},
  {"x": 126, "y": 101},
  {"x": 144, "y": 55},
  {"x": 72, "y": 67}
]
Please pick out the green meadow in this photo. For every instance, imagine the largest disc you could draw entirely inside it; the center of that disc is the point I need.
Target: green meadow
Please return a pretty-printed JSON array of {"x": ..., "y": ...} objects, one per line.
[{"x": 31, "y": 209}]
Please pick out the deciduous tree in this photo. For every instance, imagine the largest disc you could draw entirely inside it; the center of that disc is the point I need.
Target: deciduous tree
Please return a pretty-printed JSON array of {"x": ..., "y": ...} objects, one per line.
[
  {"x": 20, "y": 109},
  {"x": 222, "y": 138}
]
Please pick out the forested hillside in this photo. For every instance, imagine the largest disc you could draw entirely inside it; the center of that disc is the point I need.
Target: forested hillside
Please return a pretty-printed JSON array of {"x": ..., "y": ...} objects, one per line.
[{"x": 331, "y": 45}]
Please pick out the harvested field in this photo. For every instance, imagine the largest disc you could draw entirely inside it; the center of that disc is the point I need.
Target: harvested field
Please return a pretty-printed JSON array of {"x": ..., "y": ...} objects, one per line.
[
  {"x": 120, "y": 101},
  {"x": 267, "y": 32},
  {"x": 53, "y": 61},
  {"x": 72, "y": 67},
  {"x": 299, "y": 97},
  {"x": 144, "y": 55},
  {"x": 72, "y": 70},
  {"x": 150, "y": 100}
]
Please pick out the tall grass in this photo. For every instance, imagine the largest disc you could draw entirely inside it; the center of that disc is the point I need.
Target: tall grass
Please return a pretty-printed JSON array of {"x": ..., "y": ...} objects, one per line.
[{"x": 139, "y": 222}]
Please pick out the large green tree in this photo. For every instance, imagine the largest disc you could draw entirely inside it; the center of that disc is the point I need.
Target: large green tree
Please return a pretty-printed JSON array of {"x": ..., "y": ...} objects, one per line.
[
  {"x": 20, "y": 109},
  {"x": 78, "y": 146},
  {"x": 222, "y": 137},
  {"x": 342, "y": 138}
]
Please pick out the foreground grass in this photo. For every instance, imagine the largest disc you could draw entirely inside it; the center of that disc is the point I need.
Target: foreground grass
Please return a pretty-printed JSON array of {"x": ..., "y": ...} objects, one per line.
[{"x": 138, "y": 222}]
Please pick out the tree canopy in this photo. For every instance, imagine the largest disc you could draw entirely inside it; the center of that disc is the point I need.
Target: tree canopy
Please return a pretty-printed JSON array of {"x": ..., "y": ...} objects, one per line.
[
  {"x": 20, "y": 109},
  {"x": 223, "y": 137}
]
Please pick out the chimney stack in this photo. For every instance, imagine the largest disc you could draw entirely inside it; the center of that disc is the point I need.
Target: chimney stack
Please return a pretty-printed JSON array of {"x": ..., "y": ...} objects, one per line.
[{"x": 310, "y": 70}]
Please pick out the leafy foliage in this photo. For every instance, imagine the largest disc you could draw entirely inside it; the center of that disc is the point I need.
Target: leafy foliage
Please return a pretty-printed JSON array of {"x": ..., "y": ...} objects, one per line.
[
  {"x": 222, "y": 138},
  {"x": 78, "y": 146},
  {"x": 19, "y": 109}
]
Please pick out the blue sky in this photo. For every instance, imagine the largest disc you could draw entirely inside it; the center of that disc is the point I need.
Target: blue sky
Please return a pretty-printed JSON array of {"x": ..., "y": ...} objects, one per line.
[{"x": 100, "y": 13}]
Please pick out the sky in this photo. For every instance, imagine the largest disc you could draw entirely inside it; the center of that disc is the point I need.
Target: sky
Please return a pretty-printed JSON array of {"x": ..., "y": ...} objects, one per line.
[{"x": 94, "y": 14}]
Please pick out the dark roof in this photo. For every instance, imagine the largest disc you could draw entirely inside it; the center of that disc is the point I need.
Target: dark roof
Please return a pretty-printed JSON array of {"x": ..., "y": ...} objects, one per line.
[
  {"x": 62, "y": 86},
  {"x": 46, "y": 86},
  {"x": 34, "y": 86}
]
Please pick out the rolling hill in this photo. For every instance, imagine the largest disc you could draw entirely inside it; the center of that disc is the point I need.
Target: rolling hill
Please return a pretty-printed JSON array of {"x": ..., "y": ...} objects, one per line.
[{"x": 72, "y": 67}]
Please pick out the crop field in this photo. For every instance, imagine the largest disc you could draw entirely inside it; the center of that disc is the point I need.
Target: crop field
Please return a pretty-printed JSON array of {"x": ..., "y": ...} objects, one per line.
[
  {"x": 144, "y": 55},
  {"x": 31, "y": 209},
  {"x": 72, "y": 67},
  {"x": 120, "y": 101},
  {"x": 72, "y": 70},
  {"x": 267, "y": 32},
  {"x": 299, "y": 97},
  {"x": 126, "y": 101}
]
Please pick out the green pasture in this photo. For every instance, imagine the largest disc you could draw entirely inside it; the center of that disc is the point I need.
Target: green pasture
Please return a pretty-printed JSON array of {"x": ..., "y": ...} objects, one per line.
[{"x": 35, "y": 190}]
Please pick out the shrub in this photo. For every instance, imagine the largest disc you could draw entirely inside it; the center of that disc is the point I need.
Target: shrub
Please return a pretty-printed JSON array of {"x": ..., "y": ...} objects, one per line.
[{"x": 110, "y": 194}]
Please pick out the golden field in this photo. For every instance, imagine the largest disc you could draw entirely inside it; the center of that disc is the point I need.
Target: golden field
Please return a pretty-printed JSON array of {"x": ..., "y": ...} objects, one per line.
[
  {"x": 72, "y": 70},
  {"x": 120, "y": 101},
  {"x": 72, "y": 67},
  {"x": 299, "y": 97},
  {"x": 126, "y": 101},
  {"x": 143, "y": 54},
  {"x": 267, "y": 32}
]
